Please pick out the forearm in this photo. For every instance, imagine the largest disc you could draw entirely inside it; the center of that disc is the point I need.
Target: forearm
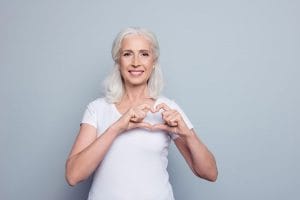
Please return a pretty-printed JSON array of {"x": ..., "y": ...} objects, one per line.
[
  {"x": 202, "y": 160},
  {"x": 81, "y": 165}
]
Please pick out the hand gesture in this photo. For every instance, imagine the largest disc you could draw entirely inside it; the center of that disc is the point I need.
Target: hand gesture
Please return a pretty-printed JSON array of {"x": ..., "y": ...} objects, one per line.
[
  {"x": 174, "y": 122},
  {"x": 134, "y": 117}
]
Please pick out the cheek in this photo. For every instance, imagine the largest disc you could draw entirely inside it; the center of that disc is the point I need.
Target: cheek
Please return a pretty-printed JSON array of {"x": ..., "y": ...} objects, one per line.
[
  {"x": 122, "y": 68},
  {"x": 123, "y": 62},
  {"x": 149, "y": 64}
]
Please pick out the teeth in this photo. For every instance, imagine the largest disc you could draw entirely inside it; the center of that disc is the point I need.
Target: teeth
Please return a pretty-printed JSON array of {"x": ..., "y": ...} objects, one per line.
[{"x": 136, "y": 73}]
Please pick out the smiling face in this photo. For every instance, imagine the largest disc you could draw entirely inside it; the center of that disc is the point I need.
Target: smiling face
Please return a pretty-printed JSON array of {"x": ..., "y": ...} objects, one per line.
[{"x": 136, "y": 60}]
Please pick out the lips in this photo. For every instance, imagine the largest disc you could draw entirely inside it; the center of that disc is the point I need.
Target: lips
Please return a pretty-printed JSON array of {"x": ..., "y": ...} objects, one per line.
[{"x": 136, "y": 72}]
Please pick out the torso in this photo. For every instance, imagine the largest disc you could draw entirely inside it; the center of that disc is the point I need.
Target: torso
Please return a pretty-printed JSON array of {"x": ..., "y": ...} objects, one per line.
[{"x": 135, "y": 167}]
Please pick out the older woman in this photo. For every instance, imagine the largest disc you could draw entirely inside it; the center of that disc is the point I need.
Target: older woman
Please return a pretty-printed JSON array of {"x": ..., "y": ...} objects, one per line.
[{"x": 124, "y": 137}]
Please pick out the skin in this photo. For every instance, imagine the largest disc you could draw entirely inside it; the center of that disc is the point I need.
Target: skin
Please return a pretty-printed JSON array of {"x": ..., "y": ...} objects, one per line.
[{"x": 136, "y": 65}]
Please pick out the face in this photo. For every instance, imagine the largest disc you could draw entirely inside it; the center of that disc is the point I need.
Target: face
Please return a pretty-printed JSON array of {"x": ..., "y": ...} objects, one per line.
[{"x": 136, "y": 60}]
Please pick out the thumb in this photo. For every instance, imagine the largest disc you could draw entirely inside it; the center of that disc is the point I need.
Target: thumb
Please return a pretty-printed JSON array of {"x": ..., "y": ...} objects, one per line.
[
  {"x": 144, "y": 125},
  {"x": 153, "y": 110},
  {"x": 161, "y": 127}
]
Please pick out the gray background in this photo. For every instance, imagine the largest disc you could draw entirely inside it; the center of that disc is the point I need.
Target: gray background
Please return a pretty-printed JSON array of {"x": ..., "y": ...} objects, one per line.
[{"x": 233, "y": 66}]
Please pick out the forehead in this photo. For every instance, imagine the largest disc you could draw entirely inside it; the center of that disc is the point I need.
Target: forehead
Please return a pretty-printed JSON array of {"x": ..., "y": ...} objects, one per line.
[{"x": 135, "y": 42}]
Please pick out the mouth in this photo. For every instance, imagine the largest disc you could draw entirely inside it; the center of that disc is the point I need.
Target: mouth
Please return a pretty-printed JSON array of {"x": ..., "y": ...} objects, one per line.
[{"x": 136, "y": 72}]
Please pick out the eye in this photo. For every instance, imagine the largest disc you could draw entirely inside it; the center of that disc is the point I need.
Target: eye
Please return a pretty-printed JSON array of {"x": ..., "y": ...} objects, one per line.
[
  {"x": 126, "y": 54},
  {"x": 145, "y": 54}
]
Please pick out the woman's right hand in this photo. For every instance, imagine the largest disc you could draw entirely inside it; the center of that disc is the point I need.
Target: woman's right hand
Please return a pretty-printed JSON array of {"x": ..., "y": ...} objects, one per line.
[{"x": 133, "y": 118}]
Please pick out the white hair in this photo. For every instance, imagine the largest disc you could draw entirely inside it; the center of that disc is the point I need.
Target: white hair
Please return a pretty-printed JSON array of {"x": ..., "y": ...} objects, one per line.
[{"x": 114, "y": 88}]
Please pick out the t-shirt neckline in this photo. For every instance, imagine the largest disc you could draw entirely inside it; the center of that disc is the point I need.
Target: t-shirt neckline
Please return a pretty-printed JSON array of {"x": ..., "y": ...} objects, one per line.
[{"x": 120, "y": 114}]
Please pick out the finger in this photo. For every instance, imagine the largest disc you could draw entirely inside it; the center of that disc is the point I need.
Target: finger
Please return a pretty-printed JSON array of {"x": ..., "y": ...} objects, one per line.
[
  {"x": 136, "y": 119},
  {"x": 137, "y": 114},
  {"x": 140, "y": 115},
  {"x": 162, "y": 106},
  {"x": 153, "y": 110},
  {"x": 144, "y": 125},
  {"x": 166, "y": 128},
  {"x": 173, "y": 120},
  {"x": 172, "y": 123},
  {"x": 167, "y": 115},
  {"x": 145, "y": 107},
  {"x": 171, "y": 117},
  {"x": 161, "y": 127}
]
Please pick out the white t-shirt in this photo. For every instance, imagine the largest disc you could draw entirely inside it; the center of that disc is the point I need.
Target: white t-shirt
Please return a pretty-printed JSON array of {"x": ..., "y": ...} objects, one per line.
[{"x": 135, "y": 166}]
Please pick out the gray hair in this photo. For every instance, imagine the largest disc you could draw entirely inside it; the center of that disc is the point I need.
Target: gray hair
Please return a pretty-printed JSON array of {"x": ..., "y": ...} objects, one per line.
[{"x": 114, "y": 88}]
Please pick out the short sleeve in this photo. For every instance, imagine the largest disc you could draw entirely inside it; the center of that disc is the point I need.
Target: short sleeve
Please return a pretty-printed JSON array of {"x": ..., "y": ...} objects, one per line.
[
  {"x": 183, "y": 115},
  {"x": 90, "y": 116}
]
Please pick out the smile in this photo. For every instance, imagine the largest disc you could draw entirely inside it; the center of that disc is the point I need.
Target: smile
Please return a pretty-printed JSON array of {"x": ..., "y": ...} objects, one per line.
[{"x": 136, "y": 72}]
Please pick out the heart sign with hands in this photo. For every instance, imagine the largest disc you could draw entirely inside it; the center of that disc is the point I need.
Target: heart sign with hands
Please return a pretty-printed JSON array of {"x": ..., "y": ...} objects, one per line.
[
  {"x": 174, "y": 122},
  {"x": 134, "y": 118},
  {"x": 171, "y": 122}
]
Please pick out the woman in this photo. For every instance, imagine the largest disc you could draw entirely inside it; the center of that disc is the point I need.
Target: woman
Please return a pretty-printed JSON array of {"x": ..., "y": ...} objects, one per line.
[{"x": 124, "y": 137}]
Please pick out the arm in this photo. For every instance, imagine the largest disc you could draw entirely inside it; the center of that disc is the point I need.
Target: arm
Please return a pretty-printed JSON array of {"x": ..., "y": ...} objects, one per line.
[
  {"x": 89, "y": 150},
  {"x": 87, "y": 153},
  {"x": 199, "y": 158},
  {"x": 197, "y": 155}
]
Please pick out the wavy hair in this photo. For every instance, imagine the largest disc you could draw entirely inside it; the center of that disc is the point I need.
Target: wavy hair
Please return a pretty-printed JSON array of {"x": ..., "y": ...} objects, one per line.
[{"x": 114, "y": 86}]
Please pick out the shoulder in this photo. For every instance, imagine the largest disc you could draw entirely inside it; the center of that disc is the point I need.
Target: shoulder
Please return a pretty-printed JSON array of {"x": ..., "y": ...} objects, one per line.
[{"x": 98, "y": 103}]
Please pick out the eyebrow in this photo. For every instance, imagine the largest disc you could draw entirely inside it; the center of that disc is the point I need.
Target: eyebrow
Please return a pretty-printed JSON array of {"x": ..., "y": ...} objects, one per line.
[{"x": 141, "y": 50}]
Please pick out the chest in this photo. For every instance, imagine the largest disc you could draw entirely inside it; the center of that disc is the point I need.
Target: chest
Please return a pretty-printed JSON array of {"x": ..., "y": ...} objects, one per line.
[
  {"x": 143, "y": 142},
  {"x": 136, "y": 140}
]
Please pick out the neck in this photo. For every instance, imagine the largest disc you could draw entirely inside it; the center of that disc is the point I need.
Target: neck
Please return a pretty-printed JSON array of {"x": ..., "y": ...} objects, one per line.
[{"x": 135, "y": 94}]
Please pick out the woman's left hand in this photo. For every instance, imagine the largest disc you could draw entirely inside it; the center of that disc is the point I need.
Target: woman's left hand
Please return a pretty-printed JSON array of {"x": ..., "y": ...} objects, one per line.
[{"x": 174, "y": 122}]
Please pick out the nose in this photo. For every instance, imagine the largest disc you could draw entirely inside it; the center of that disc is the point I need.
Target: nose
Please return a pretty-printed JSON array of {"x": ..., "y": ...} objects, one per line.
[{"x": 136, "y": 61}]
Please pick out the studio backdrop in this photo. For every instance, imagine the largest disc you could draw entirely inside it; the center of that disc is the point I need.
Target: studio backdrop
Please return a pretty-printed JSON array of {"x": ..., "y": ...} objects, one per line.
[{"x": 233, "y": 66}]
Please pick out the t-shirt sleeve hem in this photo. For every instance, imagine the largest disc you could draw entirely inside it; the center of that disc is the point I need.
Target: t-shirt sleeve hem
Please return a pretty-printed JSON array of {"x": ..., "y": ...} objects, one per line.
[{"x": 89, "y": 123}]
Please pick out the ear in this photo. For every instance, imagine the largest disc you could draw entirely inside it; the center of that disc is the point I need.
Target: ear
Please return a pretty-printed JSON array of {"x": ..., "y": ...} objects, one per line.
[{"x": 155, "y": 65}]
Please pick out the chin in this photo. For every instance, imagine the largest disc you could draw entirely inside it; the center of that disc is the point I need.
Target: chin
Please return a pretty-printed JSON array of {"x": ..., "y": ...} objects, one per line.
[{"x": 136, "y": 82}]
